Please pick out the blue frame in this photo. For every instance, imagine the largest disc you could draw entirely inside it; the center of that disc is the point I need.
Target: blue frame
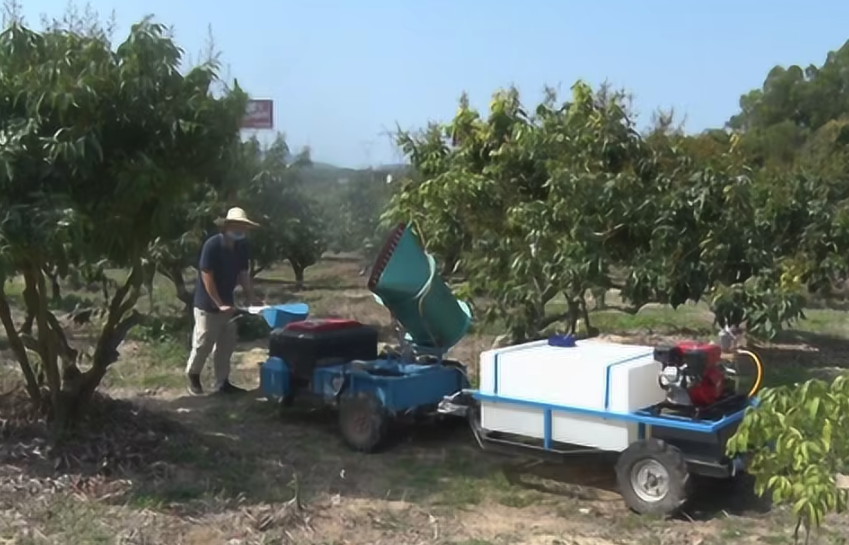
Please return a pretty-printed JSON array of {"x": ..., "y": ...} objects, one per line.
[
  {"x": 414, "y": 386},
  {"x": 642, "y": 417},
  {"x": 411, "y": 386}
]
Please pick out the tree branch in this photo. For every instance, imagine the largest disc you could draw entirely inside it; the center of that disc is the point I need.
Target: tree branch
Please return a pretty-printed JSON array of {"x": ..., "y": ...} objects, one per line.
[
  {"x": 122, "y": 302},
  {"x": 66, "y": 352},
  {"x": 17, "y": 345},
  {"x": 120, "y": 333},
  {"x": 114, "y": 331},
  {"x": 174, "y": 273},
  {"x": 34, "y": 276}
]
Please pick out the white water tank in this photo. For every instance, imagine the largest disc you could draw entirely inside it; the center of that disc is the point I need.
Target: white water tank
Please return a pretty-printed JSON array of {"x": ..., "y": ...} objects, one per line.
[{"x": 593, "y": 375}]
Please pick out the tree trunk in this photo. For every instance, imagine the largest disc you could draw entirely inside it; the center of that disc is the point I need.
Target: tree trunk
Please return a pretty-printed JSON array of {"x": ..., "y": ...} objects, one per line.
[
  {"x": 26, "y": 328},
  {"x": 78, "y": 388},
  {"x": 30, "y": 313},
  {"x": 149, "y": 277},
  {"x": 46, "y": 347},
  {"x": 55, "y": 288},
  {"x": 255, "y": 269},
  {"x": 298, "y": 269},
  {"x": 17, "y": 346},
  {"x": 174, "y": 273},
  {"x": 77, "y": 391}
]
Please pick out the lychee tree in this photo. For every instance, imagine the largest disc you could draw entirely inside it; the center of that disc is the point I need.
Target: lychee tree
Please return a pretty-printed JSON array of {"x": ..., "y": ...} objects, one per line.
[
  {"x": 545, "y": 205},
  {"x": 98, "y": 146}
]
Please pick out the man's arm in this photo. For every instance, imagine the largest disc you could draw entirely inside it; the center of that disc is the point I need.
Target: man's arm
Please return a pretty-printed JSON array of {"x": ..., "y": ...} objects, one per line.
[{"x": 207, "y": 257}]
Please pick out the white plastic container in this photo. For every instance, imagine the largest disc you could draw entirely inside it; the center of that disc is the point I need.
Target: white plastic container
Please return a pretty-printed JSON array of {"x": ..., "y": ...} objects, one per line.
[{"x": 592, "y": 375}]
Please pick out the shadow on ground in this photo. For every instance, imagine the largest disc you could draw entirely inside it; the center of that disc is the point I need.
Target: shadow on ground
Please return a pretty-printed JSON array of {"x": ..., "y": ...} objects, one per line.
[
  {"x": 592, "y": 478},
  {"x": 440, "y": 463},
  {"x": 193, "y": 456},
  {"x": 212, "y": 453}
]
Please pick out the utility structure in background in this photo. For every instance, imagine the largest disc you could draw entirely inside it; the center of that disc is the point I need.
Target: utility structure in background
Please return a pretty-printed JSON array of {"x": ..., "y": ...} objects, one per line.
[{"x": 258, "y": 120}]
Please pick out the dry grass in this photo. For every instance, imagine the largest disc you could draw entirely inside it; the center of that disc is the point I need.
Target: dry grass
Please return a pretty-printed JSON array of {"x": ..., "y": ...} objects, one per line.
[{"x": 156, "y": 466}]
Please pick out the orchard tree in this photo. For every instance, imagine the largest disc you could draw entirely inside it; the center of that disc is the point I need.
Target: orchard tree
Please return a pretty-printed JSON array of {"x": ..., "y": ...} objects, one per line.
[
  {"x": 304, "y": 242},
  {"x": 791, "y": 106},
  {"x": 184, "y": 232},
  {"x": 351, "y": 206},
  {"x": 536, "y": 202},
  {"x": 291, "y": 221},
  {"x": 265, "y": 181},
  {"x": 572, "y": 198},
  {"x": 99, "y": 146},
  {"x": 430, "y": 153}
]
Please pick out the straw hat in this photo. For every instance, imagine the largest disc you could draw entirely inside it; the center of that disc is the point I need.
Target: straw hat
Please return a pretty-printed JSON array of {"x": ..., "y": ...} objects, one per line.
[{"x": 236, "y": 215}]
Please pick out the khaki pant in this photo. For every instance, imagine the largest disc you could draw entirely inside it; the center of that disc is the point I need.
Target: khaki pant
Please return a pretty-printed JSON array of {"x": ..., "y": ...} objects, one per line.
[{"x": 214, "y": 333}]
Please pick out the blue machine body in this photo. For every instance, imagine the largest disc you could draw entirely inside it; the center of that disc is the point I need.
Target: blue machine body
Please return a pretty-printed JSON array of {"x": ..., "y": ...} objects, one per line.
[
  {"x": 274, "y": 378},
  {"x": 400, "y": 387}
]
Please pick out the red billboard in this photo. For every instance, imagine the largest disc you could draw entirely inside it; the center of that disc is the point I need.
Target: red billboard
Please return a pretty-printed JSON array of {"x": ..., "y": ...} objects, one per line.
[{"x": 259, "y": 114}]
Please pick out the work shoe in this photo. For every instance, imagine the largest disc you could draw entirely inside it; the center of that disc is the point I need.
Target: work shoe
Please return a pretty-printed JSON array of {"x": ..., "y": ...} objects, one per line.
[
  {"x": 229, "y": 388},
  {"x": 195, "y": 387}
]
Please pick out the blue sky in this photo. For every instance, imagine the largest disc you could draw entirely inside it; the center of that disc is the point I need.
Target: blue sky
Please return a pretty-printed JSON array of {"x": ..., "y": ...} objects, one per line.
[{"x": 343, "y": 73}]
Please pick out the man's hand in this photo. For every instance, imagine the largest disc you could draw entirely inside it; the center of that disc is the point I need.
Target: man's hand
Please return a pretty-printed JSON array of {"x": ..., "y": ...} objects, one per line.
[{"x": 225, "y": 308}]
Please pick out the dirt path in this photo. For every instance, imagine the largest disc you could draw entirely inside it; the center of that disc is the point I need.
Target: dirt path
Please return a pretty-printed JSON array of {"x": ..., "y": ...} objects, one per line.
[
  {"x": 169, "y": 468},
  {"x": 432, "y": 486}
]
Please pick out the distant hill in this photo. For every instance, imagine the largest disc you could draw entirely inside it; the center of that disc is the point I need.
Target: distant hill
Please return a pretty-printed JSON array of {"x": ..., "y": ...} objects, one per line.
[
  {"x": 390, "y": 167},
  {"x": 324, "y": 173},
  {"x": 318, "y": 165},
  {"x": 393, "y": 167}
]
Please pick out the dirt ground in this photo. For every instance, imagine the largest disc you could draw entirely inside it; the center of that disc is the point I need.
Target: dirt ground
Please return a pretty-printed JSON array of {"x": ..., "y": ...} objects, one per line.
[{"x": 155, "y": 466}]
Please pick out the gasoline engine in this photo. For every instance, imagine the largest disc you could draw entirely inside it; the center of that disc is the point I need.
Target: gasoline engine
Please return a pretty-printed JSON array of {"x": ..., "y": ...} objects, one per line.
[{"x": 692, "y": 375}]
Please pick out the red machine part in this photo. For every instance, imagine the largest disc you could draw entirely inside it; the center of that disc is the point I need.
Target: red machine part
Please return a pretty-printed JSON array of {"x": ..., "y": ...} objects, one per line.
[
  {"x": 710, "y": 389},
  {"x": 712, "y": 353},
  {"x": 712, "y": 385},
  {"x": 322, "y": 325}
]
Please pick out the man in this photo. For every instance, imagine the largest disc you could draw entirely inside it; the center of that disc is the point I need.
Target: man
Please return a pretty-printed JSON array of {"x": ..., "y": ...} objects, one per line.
[{"x": 223, "y": 264}]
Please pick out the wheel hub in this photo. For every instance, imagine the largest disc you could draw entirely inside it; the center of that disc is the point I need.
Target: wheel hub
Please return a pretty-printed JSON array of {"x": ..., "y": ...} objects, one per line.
[
  {"x": 650, "y": 480},
  {"x": 361, "y": 423}
]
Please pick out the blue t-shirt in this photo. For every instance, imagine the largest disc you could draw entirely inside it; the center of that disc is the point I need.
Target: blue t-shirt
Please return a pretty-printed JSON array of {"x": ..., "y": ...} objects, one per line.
[{"x": 225, "y": 263}]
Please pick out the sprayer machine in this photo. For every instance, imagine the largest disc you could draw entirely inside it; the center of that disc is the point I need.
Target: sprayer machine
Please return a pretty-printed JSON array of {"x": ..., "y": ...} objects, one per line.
[
  {"x": 667, "y": 411},
  {"x": 337, "y": 360}
]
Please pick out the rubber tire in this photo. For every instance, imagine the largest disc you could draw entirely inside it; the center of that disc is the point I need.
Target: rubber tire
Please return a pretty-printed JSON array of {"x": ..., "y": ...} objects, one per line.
[
  {"x": 354, "y": 408},
  {"x": 671, "y": 458}
]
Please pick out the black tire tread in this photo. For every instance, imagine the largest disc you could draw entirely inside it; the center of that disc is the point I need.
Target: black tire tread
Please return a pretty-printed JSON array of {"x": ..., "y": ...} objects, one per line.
[
  {"x": 359, "y": 402},
  {"x": 680, "y": 486}
]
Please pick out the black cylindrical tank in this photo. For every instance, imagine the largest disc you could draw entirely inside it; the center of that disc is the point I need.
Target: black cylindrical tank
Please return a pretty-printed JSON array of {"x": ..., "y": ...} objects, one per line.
[{"x": 313, "y": 343}]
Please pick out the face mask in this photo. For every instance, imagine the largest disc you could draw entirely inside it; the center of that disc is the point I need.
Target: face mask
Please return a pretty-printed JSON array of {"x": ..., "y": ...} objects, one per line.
[{"x": 233, "y": 235}]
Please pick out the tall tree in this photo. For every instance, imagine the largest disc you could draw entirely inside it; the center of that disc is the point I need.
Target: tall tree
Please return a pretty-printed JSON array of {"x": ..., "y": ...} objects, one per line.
[
  {"x": 572, "y": 198},
  {"x": 791, "y": 106},
  {"x": 291, "y": 224},
  {"x": 100, "y": 144}
]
